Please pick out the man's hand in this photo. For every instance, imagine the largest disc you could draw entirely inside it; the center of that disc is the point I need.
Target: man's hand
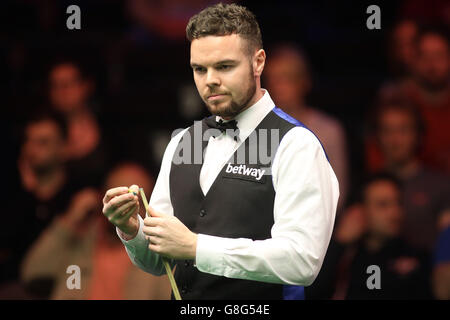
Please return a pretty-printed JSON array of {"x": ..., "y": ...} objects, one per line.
[
  {"x": 121, "y": 208},
  {"x": 352, "y": 226},
  {"x": 169, "y": 237}
]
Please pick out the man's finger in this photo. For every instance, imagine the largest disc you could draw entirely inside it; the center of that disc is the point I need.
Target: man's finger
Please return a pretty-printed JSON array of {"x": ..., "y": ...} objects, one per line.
[
  {"x": 117, "y": 215},
  {"x": 122, "y": 199},
  {"x": 111, "y": 193},
  {"x": 129, "y": 213},
  {"x": 123, "y": 209},
  {"x": 154, "y": 247},
  {"x": 152, "y": 221},
  {"x": 118, "y": 201},
  {"x": 154, "y": 240},
  {"x": 152, "y": 231},
  {"x": 150, "y": 235},
  {"x": 153, "y": 213}
]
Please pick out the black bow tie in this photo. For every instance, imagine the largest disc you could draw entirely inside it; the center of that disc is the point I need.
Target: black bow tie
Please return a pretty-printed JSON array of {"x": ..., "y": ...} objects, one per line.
[{"x": 221, "y": 125}]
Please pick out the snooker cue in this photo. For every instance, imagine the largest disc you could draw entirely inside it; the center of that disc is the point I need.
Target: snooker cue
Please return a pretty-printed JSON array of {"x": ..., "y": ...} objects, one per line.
[{"x": 173, "y": 284}]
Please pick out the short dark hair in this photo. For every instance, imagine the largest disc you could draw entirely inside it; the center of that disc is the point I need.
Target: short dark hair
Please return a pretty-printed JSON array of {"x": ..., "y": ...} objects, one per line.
[
  {"x": 401, "y": 105},
  {"x": 377, "y": 177},
  {"x": 46, "y": 114},
  {"x": 290, "y": 48},
  {"x": 226, "y": 19}
]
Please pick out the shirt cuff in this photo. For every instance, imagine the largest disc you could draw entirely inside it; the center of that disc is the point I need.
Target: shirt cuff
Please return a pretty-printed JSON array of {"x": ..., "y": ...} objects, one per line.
[
  {"x": 138, "y": 240},
  {"x": 209, "y": 256}
]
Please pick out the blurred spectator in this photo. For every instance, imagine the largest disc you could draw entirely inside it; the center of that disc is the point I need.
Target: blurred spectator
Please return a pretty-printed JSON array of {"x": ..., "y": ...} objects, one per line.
[
  {"x": 69, "y": 91},
  {"x": 166, "y": 19},
  {"x": 401, "y": 48},
  {"x": 83, "y": 237},
  {"x": 427, "y": 11},
  {"x": 288, "y": 79},
  {"x": 41, "y": 191},
  {"x": 429, "y": 91},
  {"x": 441, "y": 269},
  {"x": 369, "y": 234},
  {"x": 399, "y": 132},
  {"x": 432, "y": 95}
]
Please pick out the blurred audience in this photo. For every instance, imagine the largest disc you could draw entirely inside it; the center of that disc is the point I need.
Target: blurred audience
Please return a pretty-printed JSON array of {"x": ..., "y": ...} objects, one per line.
[
  {"x": 429, "y": 91},
  {"x": 83, "y": 237},
  {"x": 70, "y": 89},
  {"x": 426, "y": 11},
  {"x": 288, "y": 79},
  {"x": 401, "y": 53},
  {"x": 41, "y": 191},
  {"x": 369, "y": 234},
  {"x": 399, "y": 132},
  {"x": 165, "y": 19}
]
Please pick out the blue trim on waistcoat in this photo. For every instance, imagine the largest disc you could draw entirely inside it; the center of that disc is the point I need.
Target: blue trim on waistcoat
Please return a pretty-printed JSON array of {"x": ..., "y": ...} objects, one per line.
[
  {"x": 291, "y": 292},
  {"x": 288, "y": 118}
]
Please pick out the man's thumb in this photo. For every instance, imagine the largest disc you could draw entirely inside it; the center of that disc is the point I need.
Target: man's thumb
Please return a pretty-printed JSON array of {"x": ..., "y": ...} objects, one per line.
[
  {"x": 153, "y": 213},
  {"x": 134, "y": 189}
]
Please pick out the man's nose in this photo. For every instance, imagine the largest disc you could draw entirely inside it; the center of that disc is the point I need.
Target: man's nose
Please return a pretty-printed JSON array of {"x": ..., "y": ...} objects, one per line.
[{"x": 212, "y": 79}]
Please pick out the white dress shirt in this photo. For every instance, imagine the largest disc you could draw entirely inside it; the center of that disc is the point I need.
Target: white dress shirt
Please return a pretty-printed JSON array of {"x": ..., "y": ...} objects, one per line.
[{"x": 306, "y": 196}]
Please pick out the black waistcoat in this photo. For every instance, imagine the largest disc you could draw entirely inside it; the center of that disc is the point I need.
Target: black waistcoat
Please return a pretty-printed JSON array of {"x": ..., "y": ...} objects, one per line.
[{"x": 236, "y": 206}]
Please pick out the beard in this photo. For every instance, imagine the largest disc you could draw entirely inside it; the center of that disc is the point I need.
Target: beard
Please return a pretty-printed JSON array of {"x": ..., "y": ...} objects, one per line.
[
  {"x": 232, "y": 108},
  {"x": 43, "y": 169}
]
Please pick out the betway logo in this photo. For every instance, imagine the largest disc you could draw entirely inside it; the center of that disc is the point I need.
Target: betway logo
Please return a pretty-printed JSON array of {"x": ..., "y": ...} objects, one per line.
[{"x": 243, "y": 170}]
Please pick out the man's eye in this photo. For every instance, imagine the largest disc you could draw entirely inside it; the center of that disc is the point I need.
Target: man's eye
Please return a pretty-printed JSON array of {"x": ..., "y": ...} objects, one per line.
[
  {"x": 224, "y": 67},
  {"x": 199, "y": 69}
]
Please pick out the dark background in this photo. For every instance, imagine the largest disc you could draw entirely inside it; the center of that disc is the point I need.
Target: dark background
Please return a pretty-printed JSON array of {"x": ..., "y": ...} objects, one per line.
[{"x": 138, "y": 76}]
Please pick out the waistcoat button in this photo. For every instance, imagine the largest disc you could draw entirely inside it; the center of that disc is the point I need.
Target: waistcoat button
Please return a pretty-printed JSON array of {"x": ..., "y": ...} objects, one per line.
[{"x": 202, "y": 213}]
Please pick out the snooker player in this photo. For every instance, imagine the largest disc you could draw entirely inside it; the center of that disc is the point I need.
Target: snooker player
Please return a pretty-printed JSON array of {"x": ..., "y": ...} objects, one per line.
[{"x": 244, "y": 230}]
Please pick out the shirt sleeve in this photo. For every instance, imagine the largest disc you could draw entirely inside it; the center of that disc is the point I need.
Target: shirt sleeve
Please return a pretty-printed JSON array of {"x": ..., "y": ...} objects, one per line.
[
  {"x": 306, "y": 196},
  {"x": 137, "y": 248}
]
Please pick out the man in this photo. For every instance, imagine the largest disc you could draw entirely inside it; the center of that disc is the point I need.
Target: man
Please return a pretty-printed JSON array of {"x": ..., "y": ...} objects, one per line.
[
  {"x": 222, "y": 224},
  {"x": 70, "y": 90},
  {"x": 367, "y": 235},
  {"x": 401, "y": 49},
  {"x": 41, "y": 191},
  {"x": 432, "y": 95},
  {"x": 399, "y": 133},
  {"x": 288, "y": 78},
  {"x": 429, "y": 91}
]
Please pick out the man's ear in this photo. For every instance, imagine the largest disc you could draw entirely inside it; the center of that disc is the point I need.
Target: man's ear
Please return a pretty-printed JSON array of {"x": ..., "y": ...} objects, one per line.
[{"x": 259, "y": 60}]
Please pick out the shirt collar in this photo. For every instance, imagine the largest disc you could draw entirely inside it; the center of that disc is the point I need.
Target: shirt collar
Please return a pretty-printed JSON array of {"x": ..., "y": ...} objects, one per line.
[{"x": 249, "y": 119}]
